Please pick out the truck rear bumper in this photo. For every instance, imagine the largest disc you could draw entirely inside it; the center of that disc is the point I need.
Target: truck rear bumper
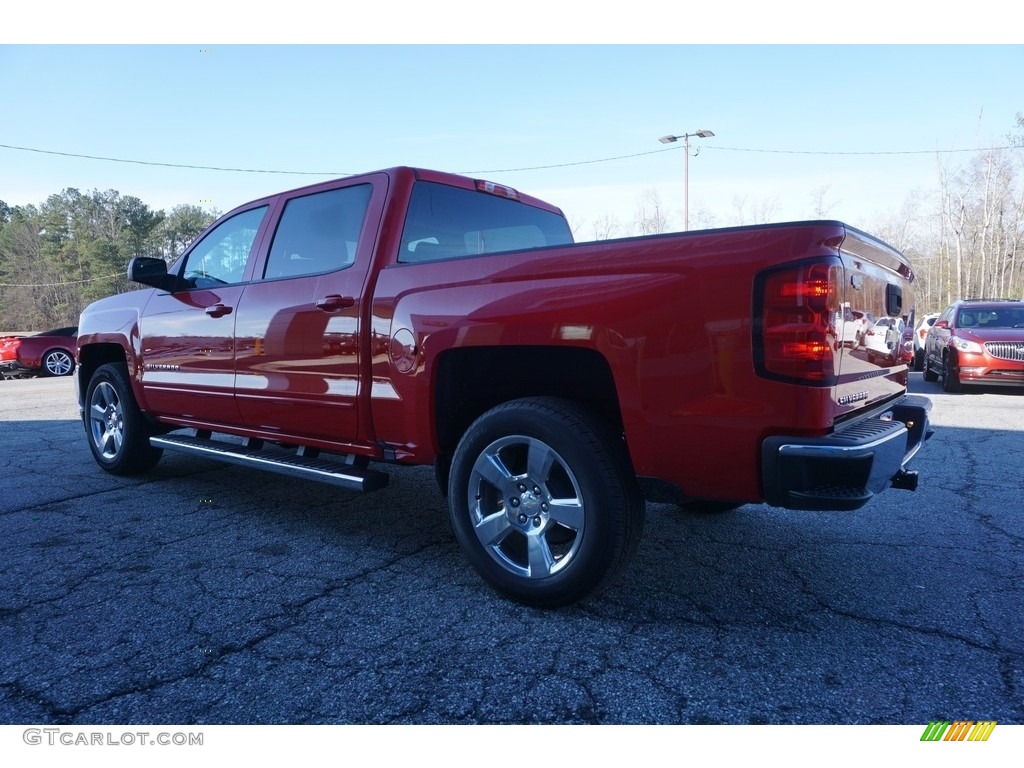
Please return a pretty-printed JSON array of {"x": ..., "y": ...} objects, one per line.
[{"x": 844, "y": 470}]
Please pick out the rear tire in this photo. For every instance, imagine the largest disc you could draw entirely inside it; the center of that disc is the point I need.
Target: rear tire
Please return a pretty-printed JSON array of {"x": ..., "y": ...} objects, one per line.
[
  {"x": 544, "y": 502},
  {"x": 117, "y": 430},
  {"x": 929, "y": 374}
]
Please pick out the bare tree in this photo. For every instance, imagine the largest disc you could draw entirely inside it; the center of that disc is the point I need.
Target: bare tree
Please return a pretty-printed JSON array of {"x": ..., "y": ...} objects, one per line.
[
  {"x": 606, "y": 227},
  {"x": 819, "y": 209},
  {"x": 651, "y": 217},
  {"x": 702, "y": 218},
  {"x": 982, "y": 226},
  {"x": 757, "y": 212}
]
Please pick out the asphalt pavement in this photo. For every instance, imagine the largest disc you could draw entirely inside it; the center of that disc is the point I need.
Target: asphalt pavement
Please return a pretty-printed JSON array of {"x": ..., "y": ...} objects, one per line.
[{"x": 203, "y": 593}]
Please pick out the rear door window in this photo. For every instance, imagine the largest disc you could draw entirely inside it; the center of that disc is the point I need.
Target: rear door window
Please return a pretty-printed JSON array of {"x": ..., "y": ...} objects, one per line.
[{"x": 318, "y": 233}]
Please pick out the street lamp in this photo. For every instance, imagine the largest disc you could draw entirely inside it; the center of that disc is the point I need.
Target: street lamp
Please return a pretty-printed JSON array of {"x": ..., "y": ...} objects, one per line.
[{"x": 703, "y": 134}]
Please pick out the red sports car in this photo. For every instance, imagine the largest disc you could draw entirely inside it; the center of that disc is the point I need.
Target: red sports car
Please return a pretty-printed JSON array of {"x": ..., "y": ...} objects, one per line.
[{"x": 51, "y": 353}]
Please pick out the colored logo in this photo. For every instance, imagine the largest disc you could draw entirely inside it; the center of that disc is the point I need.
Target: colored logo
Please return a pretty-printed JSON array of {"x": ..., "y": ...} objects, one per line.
[{"x": 959, "y": 730}]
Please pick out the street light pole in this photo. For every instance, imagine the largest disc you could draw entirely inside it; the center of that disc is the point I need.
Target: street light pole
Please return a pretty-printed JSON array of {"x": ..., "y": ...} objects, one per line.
[{"x": 703, "y": 134}]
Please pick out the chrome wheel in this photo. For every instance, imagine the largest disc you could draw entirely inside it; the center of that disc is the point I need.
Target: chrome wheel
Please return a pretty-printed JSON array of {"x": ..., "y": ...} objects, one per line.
[
  {"x": 58, "y": 363},
  {"x": 106, "y": 421},
  {"x": 117, "y": 430},
  {"x": 542, "y": 500},
  {"x": 526, "y": 505}
]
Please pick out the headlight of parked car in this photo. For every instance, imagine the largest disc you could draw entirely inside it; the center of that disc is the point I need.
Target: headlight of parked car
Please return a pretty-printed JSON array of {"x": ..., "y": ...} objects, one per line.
[{"x": 967, "y": 346}]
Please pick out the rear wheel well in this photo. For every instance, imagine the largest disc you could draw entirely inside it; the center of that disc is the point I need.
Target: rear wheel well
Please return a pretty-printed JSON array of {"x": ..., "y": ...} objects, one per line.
[{"x": 471, "y": 381}]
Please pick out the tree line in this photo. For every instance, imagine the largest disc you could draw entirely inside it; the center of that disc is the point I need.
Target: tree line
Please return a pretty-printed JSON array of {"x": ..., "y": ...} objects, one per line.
[{"x": 74, "y": 248}]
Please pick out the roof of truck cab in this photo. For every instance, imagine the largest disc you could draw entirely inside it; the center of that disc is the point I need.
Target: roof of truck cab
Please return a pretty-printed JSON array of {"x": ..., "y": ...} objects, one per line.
[{"x": 417, "y": 174}]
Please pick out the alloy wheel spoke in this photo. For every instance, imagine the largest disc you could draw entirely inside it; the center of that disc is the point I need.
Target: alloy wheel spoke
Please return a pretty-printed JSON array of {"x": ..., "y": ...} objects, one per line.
[
  {"x": 539, "y": 556},
  {"x": 493, "y": 529},
  {"x": 493, "y": 470},
  {"x": 105, "y": 440},
  {"x": 539, "y": 461},
  {"x": 567, "y": 512}
]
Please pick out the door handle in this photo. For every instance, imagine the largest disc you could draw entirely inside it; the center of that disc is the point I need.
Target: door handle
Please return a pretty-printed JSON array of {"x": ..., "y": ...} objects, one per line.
[
  {"x": 218, "y": 310},
  {"x": 334, "y": 302}
]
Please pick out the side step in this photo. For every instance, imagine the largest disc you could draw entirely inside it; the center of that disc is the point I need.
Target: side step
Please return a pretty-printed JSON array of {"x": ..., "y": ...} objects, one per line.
[{"x": 252, "y": 454}]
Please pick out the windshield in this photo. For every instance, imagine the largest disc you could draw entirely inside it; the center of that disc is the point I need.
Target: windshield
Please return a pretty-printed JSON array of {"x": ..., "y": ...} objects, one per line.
[{"x": 991, "y": 317}]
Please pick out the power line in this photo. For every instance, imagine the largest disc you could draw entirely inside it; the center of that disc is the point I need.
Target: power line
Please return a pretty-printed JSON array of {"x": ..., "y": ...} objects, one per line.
[
  {"x": 54, "y": 285},
  {"x": 892, "y": 152},
  {"x": 167, "y": 165},
  {"x": 704, "y": 147},
  {"x": 567, "y": 165}
]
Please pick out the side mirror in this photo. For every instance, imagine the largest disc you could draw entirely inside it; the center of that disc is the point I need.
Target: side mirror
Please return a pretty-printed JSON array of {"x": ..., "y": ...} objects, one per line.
[
  {"x": 942, "y": 324},
  {"x": 150, "y": 271}
]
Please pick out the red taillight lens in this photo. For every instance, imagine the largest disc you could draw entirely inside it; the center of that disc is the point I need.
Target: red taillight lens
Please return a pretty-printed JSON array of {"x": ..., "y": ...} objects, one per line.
[
  {"x": 796, "y": 312},
  {"x": 813, "y": 288}
]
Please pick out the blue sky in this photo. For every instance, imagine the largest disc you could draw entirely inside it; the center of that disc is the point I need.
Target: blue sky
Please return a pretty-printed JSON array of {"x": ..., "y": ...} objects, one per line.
[{"x": 494, "y": 111}]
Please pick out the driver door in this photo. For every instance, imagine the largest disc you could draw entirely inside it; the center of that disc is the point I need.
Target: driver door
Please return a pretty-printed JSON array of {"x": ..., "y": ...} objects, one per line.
[{"x": 187, "y": 366}]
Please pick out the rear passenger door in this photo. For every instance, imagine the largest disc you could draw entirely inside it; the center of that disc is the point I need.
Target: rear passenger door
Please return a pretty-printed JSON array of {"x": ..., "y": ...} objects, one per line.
[{"x": 298, "y": 357}]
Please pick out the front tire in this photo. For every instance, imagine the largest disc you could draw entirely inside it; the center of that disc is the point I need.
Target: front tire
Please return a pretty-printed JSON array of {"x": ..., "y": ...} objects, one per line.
[
  {"x": 929, "y": 374},
  {"x": 951, "y": 374},
  {"x": 118, "y": 432},
  {"x": 57, "y": 362},
  {"x": 543, "y": 501}
]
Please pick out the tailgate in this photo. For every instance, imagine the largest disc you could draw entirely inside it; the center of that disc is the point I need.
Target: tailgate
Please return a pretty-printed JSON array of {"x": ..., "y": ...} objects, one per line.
[{"x": 876, "y": 306}]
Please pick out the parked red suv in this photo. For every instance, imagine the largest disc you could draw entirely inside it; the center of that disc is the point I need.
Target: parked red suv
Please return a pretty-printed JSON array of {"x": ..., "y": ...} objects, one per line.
[{"x": 977, "y": 341}]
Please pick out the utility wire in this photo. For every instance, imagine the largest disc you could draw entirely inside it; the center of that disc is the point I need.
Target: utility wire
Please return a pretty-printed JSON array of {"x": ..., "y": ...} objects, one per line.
[
  {"x": 168, "y": 165},
  {"x": 704, "y": 147},
  {"x": 53, "y": 285},
  {"x": 892, "y": 152}
]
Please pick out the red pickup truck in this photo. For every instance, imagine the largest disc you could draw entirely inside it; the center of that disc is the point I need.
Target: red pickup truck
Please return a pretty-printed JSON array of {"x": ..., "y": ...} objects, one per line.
[{"x": 409, "y": 316}]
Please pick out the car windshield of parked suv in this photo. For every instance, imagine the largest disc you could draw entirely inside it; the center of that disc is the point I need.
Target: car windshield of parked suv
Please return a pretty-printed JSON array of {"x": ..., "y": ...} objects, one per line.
[{"x": 990, "y": 318}]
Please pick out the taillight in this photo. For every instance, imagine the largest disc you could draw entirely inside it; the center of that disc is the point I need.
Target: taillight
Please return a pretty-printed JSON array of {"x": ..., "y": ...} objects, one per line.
[{"x": 795, "y": 315}]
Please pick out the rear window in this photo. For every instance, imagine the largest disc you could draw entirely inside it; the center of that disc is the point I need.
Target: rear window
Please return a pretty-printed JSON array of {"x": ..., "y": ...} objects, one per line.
[{"x": 449, "y": 223}]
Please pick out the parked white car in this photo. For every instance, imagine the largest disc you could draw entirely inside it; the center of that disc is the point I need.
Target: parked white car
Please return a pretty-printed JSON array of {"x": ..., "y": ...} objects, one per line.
[
  {"x": 852, "y": 325},
  {"x": 884, "y": 337},
  {"x": 920, "y": 334}
]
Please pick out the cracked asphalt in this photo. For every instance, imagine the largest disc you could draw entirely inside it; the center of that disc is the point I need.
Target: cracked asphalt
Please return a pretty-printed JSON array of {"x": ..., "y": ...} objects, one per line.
[{"x": 202, "y": 593}]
